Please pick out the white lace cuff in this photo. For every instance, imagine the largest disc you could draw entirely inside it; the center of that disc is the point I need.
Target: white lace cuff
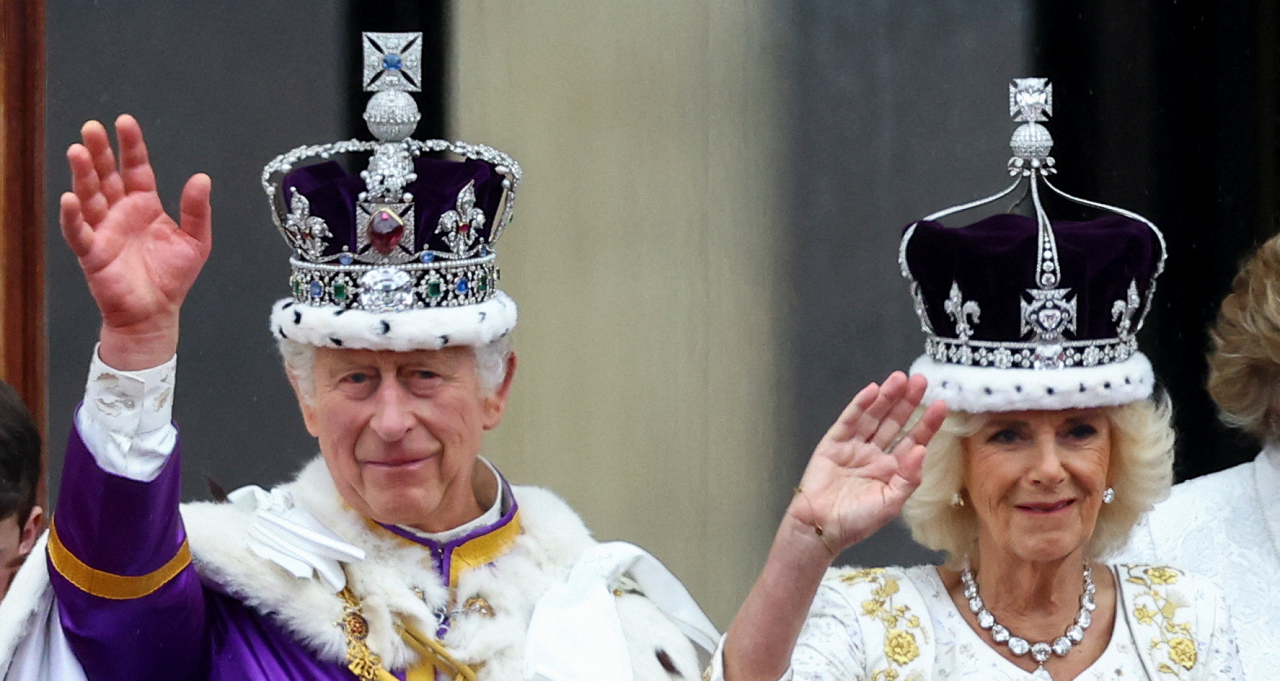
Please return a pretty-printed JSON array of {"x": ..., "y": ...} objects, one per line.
[{"x": 126, "y": 420}]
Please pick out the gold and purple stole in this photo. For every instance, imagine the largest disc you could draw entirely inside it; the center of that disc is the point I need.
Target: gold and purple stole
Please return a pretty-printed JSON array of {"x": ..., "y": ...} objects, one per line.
[{"x": 451, "y": 559}]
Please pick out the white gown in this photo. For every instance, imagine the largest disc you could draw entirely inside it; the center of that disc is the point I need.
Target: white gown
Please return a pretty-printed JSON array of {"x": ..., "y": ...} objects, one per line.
[
  {"x": 868, "y": 625},
  {"x": 1226, "y": 526}
]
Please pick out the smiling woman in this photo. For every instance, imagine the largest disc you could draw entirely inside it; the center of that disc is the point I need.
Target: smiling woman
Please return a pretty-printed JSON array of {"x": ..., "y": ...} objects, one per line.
[
  {"x": 1056, "y": 442},
  {"x": 1138, "y": 471}
]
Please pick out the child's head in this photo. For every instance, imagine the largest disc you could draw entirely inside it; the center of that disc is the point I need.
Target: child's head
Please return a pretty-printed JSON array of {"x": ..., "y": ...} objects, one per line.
[{"x": 19, "y": 476}]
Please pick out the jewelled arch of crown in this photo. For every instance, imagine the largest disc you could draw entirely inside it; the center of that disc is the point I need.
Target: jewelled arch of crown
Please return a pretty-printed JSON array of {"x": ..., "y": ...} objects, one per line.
[
  {"x": 385, "y": 273},
  {"x": 1047, "y": 310}
]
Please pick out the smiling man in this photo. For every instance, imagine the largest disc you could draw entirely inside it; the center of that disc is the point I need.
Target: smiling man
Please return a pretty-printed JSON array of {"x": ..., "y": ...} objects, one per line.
[{"x": 398, "y": 553}]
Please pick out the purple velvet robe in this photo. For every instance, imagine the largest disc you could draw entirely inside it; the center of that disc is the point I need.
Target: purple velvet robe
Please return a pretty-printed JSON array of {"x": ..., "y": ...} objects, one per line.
[{"x": 160, "y": 621}]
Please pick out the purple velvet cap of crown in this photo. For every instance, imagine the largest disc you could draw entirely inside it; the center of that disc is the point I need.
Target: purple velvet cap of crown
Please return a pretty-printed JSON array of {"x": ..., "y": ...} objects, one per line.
[
  {"x": 993, "y": 262},
  {"x": 332, "y": 193}
]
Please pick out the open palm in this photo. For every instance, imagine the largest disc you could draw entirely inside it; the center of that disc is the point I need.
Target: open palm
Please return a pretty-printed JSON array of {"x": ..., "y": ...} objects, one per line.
[
  {"x": 863, "y": 470},
  {"x": 138, "y": 262}
]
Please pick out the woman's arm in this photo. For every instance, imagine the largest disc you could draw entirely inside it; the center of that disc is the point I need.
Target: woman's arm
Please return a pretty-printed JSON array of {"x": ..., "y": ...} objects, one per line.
[{"x": 859, "y": 476}]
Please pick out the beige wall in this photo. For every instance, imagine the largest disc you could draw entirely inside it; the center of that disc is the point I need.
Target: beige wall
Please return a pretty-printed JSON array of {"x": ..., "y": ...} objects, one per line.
[{"x": 642, "y": 259}]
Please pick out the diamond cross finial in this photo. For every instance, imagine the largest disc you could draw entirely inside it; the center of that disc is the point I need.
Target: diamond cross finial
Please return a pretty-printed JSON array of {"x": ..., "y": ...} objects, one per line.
[
  {"x": 392, "y": 61},
  {"x": 1030, "y": 99}
]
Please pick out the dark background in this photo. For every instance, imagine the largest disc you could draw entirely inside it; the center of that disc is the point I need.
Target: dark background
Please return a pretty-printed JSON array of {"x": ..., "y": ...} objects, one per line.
[{"x": 1170, "y": 109}]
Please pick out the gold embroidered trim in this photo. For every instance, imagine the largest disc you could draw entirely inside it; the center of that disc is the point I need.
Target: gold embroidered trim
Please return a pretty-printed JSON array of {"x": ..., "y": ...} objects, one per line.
[
  {"x": 108, "y": 585},
  {"x": 367, "y": 665},
  {"x": 900, "y": 644},
  {"x": 1174, "y": 637}
]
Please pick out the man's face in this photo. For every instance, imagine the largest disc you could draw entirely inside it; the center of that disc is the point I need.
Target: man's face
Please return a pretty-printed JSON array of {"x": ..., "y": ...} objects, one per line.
[
  {"x": 400, "y": 431},
  {"x": 16, "y": 539}
]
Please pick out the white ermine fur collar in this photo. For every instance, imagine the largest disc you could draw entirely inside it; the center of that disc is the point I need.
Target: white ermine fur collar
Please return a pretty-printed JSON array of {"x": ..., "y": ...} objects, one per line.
[{"x": 552, "y": 539}]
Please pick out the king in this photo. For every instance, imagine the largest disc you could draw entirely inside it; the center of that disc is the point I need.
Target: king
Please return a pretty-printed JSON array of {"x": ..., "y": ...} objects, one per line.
[{"x": 399, "y": 552}]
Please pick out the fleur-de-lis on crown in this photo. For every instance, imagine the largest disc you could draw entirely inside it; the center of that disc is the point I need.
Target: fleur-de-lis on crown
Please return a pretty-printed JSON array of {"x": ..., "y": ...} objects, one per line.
[
  {"x": 460, "y": 226},
  {"x": 308, "y": 230},
  {"x": 1122, "y": 311},
  {"x": 961, "y": 311}
]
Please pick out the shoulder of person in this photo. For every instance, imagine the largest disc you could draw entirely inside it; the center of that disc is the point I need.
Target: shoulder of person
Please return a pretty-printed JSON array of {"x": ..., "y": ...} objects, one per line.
[
  {"x": 27, "y": 600},
  {"x": 545, "y": 518},
  {"x": 891, "y": 579},
  {"x": 1223, "y": 490},
  {"x": 890, "y": 610},
  {"x": 1173, "y": 615},
  {"x": 1219, "y": 484}
]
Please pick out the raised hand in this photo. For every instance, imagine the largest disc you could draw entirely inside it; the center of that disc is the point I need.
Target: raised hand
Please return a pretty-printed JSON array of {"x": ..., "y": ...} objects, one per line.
[
  {"x": 863, "y": 470},
  {"x": 138, "y": 262}
]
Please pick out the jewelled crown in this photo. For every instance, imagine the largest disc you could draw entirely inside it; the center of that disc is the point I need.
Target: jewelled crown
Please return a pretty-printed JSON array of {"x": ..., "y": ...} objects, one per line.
[
  {"x": 1028, "y": 313},
  {"x": 411, "y": 231},
  {"x": 401, "y": 256}
]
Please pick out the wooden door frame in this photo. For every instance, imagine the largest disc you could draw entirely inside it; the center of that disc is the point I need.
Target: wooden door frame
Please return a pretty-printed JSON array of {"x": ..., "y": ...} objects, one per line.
[{"x": 22, "y": 319}]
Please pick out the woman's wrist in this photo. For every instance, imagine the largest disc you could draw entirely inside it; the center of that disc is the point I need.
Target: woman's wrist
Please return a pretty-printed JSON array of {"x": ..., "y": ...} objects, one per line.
[{"x": 804, "y": 543}]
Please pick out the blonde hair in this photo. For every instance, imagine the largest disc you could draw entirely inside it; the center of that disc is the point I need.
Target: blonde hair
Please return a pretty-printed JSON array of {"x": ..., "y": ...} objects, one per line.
[
  {"x": 1141, "y": 471},
  {"x": 1244, "y": 367}
]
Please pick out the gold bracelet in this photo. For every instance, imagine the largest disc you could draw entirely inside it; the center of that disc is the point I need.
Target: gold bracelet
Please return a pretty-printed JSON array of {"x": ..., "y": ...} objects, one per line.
[{"x": 817, "y": 529}]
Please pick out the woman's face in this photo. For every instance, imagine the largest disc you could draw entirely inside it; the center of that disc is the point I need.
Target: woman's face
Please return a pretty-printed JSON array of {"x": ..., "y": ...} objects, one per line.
[{"x": 1035, "y": 481}]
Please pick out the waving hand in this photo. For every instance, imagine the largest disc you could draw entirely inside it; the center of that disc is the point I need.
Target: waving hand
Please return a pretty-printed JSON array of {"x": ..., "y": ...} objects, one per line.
[
  {"x": 867, "y": 465},
  {"x": 139, "y": 263}
]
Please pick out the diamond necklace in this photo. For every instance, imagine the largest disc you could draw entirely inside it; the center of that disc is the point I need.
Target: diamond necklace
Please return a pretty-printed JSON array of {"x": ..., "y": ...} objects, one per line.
[{"x": 1019, "y": 646}]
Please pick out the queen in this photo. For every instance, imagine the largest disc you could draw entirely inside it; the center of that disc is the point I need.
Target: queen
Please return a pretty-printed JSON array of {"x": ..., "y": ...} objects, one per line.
[{"x": 1042, "y": 445}]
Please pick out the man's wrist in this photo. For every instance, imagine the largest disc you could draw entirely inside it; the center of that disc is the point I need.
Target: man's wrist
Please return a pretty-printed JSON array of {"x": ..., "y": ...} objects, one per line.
[{"x": 136, "y": 349}]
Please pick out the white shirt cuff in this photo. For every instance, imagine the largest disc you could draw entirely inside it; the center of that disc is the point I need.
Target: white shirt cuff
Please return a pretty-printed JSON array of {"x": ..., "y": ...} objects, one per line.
[{"x": 126, "y": 420}]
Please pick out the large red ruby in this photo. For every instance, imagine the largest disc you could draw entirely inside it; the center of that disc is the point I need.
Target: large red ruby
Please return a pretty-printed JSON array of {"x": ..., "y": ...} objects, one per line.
[
  {"x": 464, "y": 228},
  {"x": 385, "y": 232}
]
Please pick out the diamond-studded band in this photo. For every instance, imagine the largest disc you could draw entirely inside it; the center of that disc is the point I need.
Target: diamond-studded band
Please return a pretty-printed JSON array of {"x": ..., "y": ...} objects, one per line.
[
  {"x": 450, "y": 283},
  {"x": 1023, "y": 355}
]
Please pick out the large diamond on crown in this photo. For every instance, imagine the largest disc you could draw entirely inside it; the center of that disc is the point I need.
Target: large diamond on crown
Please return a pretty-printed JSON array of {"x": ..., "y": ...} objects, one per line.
[
  {"x": 386, "y": 289},
  {"x": 1048, "y": 315}
]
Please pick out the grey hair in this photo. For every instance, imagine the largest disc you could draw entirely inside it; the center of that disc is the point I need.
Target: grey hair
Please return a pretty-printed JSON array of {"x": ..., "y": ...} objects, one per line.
[
  {"x": 491, "y": 364},
  {"x": 1142, "y": 442}
]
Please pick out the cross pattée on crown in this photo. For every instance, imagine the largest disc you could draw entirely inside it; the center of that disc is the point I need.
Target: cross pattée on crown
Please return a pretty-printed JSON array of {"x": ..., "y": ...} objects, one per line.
[
  {"x": 1030, "y": 99},
  {"x": 392, "y": 61}
]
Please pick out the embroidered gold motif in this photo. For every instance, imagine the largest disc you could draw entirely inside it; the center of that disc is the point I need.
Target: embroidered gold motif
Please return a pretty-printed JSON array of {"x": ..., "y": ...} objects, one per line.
[
  {"x": 900, "y": 644},
  {"x": 479, "y": 606},
  {"x": 1158, "y": 608},
  {"x": 362, "y": 662}
]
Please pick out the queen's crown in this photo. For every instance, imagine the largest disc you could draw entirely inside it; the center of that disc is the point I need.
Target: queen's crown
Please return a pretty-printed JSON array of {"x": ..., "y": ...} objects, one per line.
[
  {"x": 1026, "y": 292},
  {"x": 412, "y": 231}
]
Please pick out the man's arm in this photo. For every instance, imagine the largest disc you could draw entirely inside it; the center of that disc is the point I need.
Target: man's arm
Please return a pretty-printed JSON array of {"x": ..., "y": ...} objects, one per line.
[{"x": 129, "y": 600}]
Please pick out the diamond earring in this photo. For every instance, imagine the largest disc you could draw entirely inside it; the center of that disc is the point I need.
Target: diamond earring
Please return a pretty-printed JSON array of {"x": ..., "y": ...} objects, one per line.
[
  {"x": 1108, "y": 495},
  {"x": 957, "y": 501}
]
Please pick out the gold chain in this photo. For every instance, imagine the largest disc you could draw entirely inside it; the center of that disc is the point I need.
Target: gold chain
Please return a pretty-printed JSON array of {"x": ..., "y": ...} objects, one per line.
[{"x": 362, "y": 662}]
